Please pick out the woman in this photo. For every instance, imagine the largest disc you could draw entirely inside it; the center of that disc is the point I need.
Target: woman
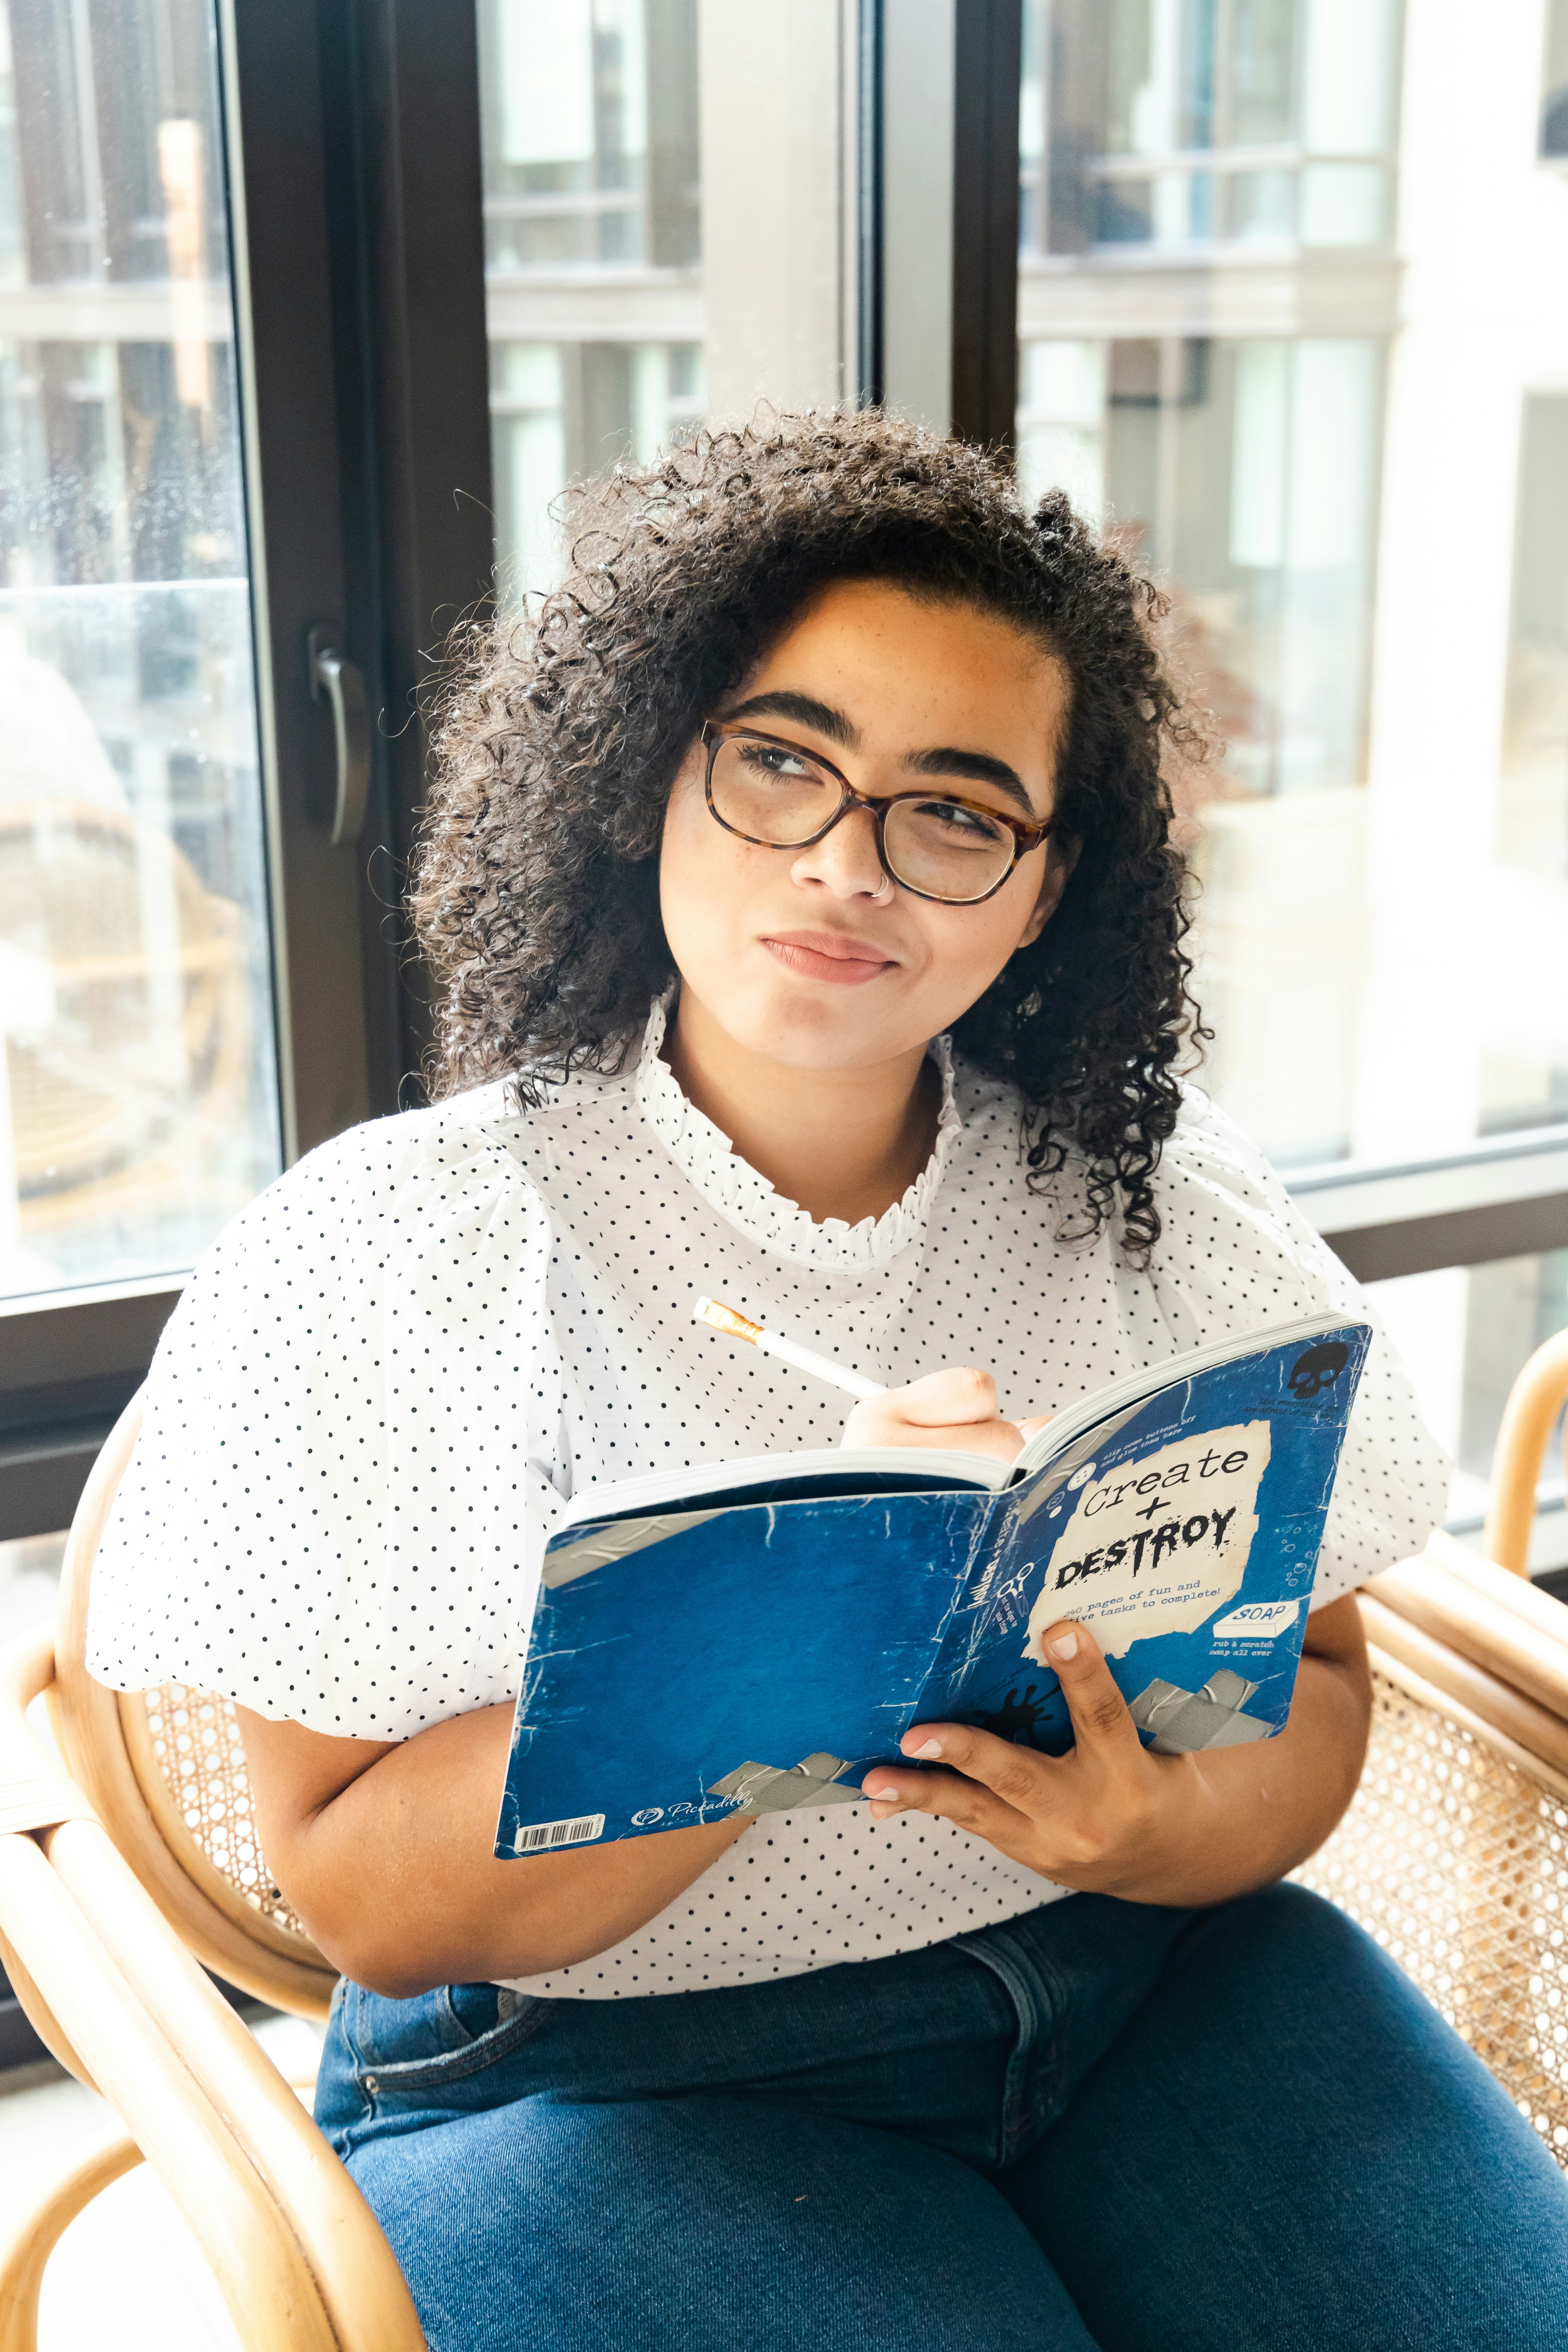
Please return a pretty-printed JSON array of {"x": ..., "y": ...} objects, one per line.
[{"x": 809, "y": 928}]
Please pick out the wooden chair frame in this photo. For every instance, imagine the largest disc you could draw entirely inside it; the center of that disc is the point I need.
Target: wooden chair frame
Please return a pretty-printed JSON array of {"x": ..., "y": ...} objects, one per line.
[{"x": 108, "y": 1902}]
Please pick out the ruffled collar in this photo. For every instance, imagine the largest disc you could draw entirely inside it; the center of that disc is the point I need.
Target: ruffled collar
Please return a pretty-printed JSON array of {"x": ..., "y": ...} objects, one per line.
[{"x": 748, "y": 1201}]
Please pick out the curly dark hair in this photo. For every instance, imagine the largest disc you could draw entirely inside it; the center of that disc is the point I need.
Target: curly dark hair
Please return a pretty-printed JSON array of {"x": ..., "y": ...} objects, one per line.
[{"x": 556, "y": 741}]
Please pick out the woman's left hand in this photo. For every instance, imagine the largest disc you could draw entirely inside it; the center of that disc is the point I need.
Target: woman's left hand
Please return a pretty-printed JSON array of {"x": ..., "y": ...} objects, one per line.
[
  {"x": 1112, "y": 1818},
  {"x": 1094, "y": 1819}
]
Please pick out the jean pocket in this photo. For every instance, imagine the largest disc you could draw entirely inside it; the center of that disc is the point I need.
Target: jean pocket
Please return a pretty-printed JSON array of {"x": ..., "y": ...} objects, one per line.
[{"x": 440, "y": 2037}]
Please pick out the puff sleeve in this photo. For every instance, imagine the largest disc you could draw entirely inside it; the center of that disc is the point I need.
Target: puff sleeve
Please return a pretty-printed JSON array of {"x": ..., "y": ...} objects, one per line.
[
  {"x": 337, "y": 1504},
  {"x": 1235, "y": 1253}
]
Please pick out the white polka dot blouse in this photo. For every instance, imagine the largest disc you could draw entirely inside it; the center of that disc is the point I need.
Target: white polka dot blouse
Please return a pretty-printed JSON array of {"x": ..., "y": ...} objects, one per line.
[{"x": 386, "y": 1377}]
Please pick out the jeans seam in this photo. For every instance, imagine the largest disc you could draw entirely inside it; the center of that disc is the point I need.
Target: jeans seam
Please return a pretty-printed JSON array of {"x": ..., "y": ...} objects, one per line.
[
  {"x": 1025, "y": 1985},
  {"x": 352, "y": 1996}
]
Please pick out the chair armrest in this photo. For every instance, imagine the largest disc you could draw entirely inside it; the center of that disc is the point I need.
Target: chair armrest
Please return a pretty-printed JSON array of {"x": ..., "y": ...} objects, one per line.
[
  {"x": 1497, "y": 1621},
  {"x": 1439, "y": 1677},
  {"x": 34, "y": 1794},
  {"x": 1467, "y": 1638},
  {"x": 1532, "y": 1406},
  {"x": 258, "y": 2263}
]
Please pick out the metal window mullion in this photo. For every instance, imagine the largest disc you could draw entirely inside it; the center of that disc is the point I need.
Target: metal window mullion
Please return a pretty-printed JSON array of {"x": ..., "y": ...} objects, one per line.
[
  {"x": 275, "y": 140},
  {"x": 987, "y": 61},
  {"x": 867, "y": 180}
]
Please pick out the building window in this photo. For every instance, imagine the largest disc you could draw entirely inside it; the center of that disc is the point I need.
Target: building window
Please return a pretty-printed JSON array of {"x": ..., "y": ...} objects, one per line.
[
  {"x": 1165, "y": 124},
  {"x": 665, "y": 234}
]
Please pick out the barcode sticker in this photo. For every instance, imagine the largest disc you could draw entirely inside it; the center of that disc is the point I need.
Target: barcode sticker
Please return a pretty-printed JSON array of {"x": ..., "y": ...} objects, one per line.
[{"x": 544, "y": 1835}]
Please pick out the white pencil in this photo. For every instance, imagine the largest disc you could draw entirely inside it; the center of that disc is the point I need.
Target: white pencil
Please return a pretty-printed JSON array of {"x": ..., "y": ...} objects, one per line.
[{"x": 719, "y": 1317}]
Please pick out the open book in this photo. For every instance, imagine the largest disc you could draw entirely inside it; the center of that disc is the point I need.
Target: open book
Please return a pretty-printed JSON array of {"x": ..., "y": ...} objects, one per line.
[{"x": 755, "y": 1634}]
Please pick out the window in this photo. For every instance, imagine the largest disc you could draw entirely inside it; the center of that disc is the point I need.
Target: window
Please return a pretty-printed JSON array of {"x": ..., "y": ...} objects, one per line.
[
  {"x": 1208, "y": 191},
  {"x": 1298, "y": 460},
  {"x": 1530, "y": 1082},
  {"x": 1464, "y": 1331},
  {"x": 138, "y": 1094},
  {"x": 190, "y": 943},
  {"x": 1264, "y": 341},
  {"x": 666, "y": 233}
]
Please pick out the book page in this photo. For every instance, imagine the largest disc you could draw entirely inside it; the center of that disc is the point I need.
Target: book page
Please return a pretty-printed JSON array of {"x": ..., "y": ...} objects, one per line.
[{"x": 781, "y": 1478}]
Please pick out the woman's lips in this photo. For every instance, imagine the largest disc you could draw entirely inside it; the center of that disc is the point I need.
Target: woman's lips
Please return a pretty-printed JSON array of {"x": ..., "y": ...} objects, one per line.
[{"x": 825, "y": 955}]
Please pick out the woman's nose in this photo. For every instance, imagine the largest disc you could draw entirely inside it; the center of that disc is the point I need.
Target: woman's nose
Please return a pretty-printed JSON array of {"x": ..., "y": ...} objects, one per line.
[{"x": 845, "y": 860}]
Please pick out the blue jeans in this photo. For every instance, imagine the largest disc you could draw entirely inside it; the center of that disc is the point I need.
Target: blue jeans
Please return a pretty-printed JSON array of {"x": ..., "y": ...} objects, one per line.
[{"x": 1099, "y": 2125}]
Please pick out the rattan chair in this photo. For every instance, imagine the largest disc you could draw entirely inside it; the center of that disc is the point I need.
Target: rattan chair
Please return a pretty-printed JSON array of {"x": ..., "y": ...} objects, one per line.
[{"x": 121, "y": 1873}]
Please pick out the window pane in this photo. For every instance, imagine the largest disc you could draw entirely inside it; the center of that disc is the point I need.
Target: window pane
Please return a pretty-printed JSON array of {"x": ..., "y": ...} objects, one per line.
[
  {"x": 138, "y": 1103},
  {"x": 663, "y": 221},
  {"x": 1342, "y": 449},
  {"x": 1467, "y": 1332},
  {"x": 29, "y": 1585},
  {"x": 1526, "y": 1078}
]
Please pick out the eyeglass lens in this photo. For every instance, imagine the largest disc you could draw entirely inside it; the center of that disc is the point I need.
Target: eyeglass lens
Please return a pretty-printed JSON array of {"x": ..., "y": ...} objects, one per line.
[{"x": 773, "y": 793}]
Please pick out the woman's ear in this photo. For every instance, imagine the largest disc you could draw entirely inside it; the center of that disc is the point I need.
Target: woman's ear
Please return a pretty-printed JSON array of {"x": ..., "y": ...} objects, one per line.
[{"x": 1060, "y": 859}]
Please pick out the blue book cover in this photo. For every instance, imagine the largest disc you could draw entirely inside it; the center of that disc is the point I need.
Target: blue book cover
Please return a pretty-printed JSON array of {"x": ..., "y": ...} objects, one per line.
[{"x": 757, "y": 1634}]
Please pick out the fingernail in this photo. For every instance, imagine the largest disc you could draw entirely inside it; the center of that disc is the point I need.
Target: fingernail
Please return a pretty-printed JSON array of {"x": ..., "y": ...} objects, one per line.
[
  {"x": 1063, "y": 1646},
  {"x": 932, "y": 1747}
]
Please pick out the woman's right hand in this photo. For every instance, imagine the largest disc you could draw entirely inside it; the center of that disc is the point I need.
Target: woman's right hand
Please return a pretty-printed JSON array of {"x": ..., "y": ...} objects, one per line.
[{"x": 955, "y": 1408}]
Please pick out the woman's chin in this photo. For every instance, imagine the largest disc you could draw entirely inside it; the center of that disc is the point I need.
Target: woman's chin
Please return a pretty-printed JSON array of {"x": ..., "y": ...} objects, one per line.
[{"x": 821, "y": 1029}]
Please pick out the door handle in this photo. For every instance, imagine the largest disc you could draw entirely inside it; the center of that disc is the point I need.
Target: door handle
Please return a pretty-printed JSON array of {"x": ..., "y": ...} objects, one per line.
[{"x": 336, "y": 680}]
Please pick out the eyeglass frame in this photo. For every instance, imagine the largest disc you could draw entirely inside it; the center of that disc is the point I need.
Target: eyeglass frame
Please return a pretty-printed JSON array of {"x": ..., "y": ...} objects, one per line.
[{"x": 1026, "y": 837}]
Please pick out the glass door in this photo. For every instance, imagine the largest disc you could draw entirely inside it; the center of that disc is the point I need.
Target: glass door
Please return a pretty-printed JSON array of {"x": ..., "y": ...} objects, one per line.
[{"x": 139, "y": 1104}]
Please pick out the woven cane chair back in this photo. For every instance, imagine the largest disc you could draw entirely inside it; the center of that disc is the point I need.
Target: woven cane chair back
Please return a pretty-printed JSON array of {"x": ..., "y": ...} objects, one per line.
[
  {"x": 1456, "y": 1860},
  {"x": 166, "y": 1774}
]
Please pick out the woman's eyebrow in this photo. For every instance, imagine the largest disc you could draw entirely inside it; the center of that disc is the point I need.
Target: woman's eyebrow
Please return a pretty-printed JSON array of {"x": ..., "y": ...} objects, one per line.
[
  {"x": 978, "y": 767},
  {"x": 806, "y": 710}
]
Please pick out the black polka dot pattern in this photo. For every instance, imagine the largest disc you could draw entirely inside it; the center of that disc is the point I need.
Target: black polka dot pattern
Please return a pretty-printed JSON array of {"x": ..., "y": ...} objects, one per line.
[{"x": 386, "y": 1375}]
